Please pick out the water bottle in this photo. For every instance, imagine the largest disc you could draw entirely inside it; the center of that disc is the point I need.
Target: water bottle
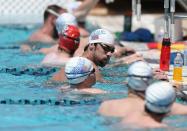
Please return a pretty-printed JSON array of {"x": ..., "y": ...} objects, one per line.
[
  {"x": 185, "y": 56},
  {"x": 165, "y": 54},
  {"x": 177, "y": 71}
]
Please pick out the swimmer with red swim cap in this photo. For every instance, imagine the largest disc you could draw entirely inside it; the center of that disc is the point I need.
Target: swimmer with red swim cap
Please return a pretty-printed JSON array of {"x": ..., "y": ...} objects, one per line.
[{"x": 69, "y": 41}]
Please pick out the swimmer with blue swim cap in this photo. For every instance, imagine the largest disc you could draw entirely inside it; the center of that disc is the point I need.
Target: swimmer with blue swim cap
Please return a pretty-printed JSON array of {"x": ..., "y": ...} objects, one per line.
[{"x": 80, "y": 74}]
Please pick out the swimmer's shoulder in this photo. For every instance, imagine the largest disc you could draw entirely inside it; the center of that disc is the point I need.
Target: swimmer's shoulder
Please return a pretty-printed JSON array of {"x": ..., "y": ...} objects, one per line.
[{"x": 107, "y": 106}]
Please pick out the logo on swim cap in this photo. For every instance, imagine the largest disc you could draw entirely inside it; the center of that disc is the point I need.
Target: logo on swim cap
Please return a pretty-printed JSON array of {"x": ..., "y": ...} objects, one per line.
[
  {"x": 95, "y": 37},
  {"x": 101, "y": 36}
]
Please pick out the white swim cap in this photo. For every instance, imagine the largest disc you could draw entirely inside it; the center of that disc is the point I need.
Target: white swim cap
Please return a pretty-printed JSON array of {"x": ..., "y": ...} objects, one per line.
[
  {"x": 160, "y": 97},
  {"x": 65, "y": 19},
  {"x": 77, "y": 69},
  {"x": 139, "y": 76},
  {"x": 101, "y": 36}
]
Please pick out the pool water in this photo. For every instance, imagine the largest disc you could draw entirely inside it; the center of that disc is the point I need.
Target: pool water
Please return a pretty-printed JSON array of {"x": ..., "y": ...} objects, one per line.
[{"x": 33, "y": 87}]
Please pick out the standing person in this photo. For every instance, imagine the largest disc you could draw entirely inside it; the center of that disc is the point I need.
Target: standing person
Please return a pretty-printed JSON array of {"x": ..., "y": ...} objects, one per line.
[
  {"x": 159, "y": 98},
  {"x": 69, "y": 41},
  {"x": 81, "y": 77},
  {"x": 140, "y": 76}
]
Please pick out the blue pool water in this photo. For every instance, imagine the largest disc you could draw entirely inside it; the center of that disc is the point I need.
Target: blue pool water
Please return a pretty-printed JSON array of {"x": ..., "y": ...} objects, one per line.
[{"x": 31, "y": 87}]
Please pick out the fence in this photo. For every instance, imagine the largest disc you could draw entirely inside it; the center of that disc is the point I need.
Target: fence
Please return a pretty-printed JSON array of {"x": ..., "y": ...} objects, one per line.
[{"x": 25, "y": 11}]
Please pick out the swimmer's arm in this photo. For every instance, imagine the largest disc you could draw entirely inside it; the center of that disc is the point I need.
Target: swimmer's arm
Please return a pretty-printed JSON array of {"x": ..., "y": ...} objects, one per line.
[
  {"x": 84, "y": 8},
  {"x": 64, "y": 89},
  {"x": 178, "y": 109},
  {"x": 93, "y": 91},
  {"x": 48, "y": 50},
  {"x": 127, "y": 60},
  {"x": 120, "y": 51}
]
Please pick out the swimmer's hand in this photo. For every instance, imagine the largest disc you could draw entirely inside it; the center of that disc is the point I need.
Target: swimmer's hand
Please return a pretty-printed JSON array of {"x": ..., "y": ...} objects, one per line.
[
  {"x": 129, "y": 59},
  {"x": 93, "y": 91},
  {"x": 25, "y": 48},
  {"x": 158, "y": 74}
]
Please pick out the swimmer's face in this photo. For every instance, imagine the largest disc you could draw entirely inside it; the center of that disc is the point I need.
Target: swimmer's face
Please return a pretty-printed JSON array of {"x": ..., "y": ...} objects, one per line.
[{"x": 102, "y": 54}]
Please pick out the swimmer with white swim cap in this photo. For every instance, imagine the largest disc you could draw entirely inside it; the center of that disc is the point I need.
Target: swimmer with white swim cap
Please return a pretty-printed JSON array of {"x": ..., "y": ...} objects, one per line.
[
  {"x": 64, "y": 19},
  {"x": 80, "y": 74},
  {"x": 140, "y": 76},
  {"x": 159, "y": 98},
  {"x": 99, "y": 50},
  {"x": 47, "y": 33}
]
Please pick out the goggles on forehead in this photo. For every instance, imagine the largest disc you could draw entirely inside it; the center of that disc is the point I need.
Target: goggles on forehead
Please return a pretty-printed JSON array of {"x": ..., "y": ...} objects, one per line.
[{"x": 53, "y": 12}]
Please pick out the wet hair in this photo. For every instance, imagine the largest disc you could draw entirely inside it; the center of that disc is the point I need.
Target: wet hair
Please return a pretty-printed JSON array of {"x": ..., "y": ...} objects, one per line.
[{"x": 55, "y": 8}]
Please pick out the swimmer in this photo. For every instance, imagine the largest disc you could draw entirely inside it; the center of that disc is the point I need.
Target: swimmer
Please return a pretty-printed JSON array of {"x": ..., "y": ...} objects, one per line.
[
  {"x": 47, "y": 34},
  {"x": 140, "y": 76},
  {"x": 61, "y": 21},
  {"x": 159, "y": 98},
  {"x": 68, "y": 42},
  {"x": 80, "y": 74},
  {"x": 99, "y": 50}
]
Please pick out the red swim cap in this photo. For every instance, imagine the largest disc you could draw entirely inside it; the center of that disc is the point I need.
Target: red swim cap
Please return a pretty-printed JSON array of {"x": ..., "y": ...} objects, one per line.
[{"x": 69, "y": 39}]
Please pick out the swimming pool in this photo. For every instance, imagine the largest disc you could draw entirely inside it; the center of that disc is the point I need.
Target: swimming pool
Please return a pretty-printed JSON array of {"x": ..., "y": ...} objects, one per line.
[{"x": 29, "y": 102}]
